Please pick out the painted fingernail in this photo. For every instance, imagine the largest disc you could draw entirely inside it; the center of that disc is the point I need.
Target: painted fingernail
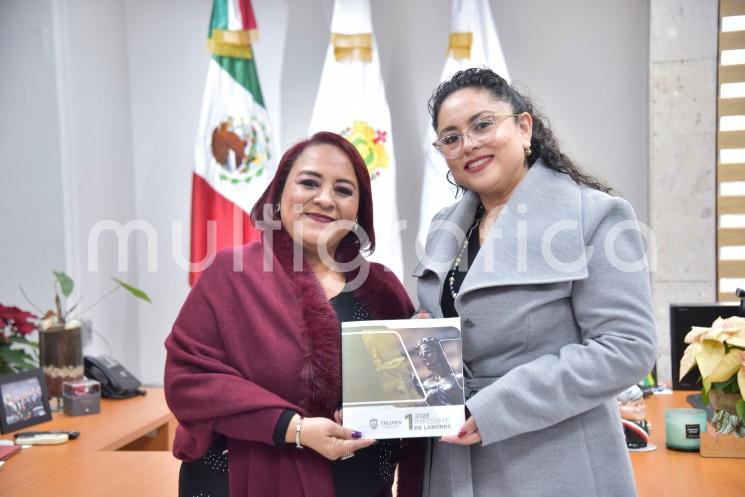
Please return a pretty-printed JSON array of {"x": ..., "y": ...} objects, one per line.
[
  {"x": 461, "y": 433},
  {"x": 356, "y": 434}
]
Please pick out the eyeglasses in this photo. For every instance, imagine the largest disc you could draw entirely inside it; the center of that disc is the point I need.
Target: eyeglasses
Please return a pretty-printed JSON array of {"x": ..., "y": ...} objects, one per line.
[{"x": 451, "y": 146}]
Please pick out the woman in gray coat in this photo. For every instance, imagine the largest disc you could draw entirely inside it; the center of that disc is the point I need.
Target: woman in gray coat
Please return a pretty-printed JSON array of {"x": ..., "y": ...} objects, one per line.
[{"x": 548, "y": 274}]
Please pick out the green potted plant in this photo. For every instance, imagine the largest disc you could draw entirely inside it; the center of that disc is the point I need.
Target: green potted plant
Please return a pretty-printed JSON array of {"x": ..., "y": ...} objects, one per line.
[{"x": 60, "y": 335}]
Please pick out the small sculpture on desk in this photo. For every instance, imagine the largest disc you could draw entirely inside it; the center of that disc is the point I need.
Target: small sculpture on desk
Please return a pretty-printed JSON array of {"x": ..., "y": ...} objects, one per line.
[{"x": 633, "y": 414}]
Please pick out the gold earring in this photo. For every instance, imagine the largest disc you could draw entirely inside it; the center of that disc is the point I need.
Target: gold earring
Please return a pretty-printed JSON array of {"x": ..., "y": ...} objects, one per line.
[{"x": 528, "y": 151}]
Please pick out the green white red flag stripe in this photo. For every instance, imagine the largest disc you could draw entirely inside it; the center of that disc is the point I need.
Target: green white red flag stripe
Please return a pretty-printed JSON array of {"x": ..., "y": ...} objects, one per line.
[{"x": 233, "y": 153}]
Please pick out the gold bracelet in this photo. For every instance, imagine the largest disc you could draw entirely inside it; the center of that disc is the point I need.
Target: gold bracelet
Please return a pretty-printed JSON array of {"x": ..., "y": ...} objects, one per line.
[{"x": 298, "y": 427}]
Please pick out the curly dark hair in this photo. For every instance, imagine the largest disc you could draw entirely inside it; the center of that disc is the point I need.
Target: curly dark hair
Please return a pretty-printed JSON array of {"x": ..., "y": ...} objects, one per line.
[{"x": 543, "y": 142}]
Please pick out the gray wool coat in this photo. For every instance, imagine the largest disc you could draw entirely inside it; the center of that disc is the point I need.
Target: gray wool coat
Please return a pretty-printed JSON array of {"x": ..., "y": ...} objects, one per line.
[{"x": 557, "y": 319}]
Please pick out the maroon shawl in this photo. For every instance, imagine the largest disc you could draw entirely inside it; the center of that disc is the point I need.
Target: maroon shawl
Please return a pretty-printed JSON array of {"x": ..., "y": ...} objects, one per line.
[{"x": 249, "y": 344}]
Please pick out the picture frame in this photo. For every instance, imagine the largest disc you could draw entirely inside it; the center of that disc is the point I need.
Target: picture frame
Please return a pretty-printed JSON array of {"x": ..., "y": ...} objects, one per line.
[{"x": 23, "y": 400}]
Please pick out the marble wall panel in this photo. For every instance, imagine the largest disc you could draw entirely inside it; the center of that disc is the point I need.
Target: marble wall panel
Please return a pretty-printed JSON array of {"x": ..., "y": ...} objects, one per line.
[
  {"x": 683, "y": 97},
  {"x": 682, "y": 130},
  {"x": 684, "y": 175},
  {"x": 685, "y": 247},
  {"x": 682, "y": 29}
]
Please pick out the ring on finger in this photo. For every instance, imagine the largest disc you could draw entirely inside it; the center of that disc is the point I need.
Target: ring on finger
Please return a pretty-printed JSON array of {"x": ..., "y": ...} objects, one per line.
[{"x": 347, "y": 455}]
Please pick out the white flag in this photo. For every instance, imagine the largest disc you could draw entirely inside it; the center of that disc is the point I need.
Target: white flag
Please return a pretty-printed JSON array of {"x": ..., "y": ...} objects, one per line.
[
  {"x": 473, "y": 43},
  {"x": 351, "y": 101}
]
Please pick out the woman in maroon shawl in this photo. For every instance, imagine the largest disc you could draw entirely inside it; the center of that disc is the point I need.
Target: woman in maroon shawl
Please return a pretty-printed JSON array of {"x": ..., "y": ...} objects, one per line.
[{"x": 253, "y": 370}]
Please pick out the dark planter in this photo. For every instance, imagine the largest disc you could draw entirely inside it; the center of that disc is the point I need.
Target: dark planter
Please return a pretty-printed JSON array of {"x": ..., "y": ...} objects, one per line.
[{"x": 61, "y": 355}]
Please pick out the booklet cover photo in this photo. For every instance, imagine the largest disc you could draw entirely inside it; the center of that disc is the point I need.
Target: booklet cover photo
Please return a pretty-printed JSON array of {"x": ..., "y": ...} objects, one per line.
[{"x": 403, "y": 378}]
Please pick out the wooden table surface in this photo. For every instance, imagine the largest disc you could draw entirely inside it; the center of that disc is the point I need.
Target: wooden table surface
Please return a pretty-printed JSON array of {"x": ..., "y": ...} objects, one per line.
[
  {"x": 669, "y": 473},
  {"x": 109, "y": 474},
  {"x": 91, "y": 466},
  {"x": 137, "y": 423}
]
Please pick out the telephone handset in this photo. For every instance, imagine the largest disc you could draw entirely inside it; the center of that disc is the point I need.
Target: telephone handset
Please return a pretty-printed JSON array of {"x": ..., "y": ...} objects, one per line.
[{"x": 116, "y": 381}]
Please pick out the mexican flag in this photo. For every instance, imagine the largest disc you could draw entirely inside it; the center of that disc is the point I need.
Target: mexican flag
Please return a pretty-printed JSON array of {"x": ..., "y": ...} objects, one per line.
[
  {"x": 233, "y": 157},
  {"x": 473, "y": 43},
  {"x": 351, "y": 101}
]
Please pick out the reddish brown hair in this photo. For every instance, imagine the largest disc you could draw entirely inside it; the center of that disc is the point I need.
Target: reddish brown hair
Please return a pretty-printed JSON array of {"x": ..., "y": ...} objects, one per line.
[{"x": 273, "y": 192}]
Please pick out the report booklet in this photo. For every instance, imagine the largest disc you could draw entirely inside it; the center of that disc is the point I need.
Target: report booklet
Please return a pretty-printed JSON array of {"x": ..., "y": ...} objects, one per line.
[{"x": 403, "y": 378}]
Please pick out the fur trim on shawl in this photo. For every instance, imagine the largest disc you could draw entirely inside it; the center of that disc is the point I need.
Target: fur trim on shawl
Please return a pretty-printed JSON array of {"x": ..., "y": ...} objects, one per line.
[
  {"x": 320, "y": 374},
  {"x": 322, "y": 370}
]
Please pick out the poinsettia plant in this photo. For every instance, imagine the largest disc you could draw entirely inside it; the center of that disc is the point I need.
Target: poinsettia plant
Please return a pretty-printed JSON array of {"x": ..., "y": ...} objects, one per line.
[
  {"x": 17, "y": 351},
  {"x": 719, "y": 353}
]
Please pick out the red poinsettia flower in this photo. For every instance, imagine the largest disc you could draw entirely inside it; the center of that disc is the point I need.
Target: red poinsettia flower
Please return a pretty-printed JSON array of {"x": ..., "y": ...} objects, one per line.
[
  {"x": 24, "y": 328},
  {"x": 15, "y": 325},
  {"x": 20, "y": 321},
  {"x": 22, "y": 316}
]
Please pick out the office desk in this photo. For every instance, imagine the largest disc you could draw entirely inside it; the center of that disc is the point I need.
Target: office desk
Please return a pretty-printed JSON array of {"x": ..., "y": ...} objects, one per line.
[
  {"x": 109, "y": 474},
  {"x": 667, "y": 473},
  {"x": 125, "y": 447},
  {"x": 124, "y": 451}
]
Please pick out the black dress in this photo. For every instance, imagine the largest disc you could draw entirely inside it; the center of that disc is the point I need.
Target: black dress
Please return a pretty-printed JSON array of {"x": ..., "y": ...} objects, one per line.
[
  {"x": 447, "y": 303},
  {"x": 208, "y": 476},
  {"x": 368, "y": 474}
]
